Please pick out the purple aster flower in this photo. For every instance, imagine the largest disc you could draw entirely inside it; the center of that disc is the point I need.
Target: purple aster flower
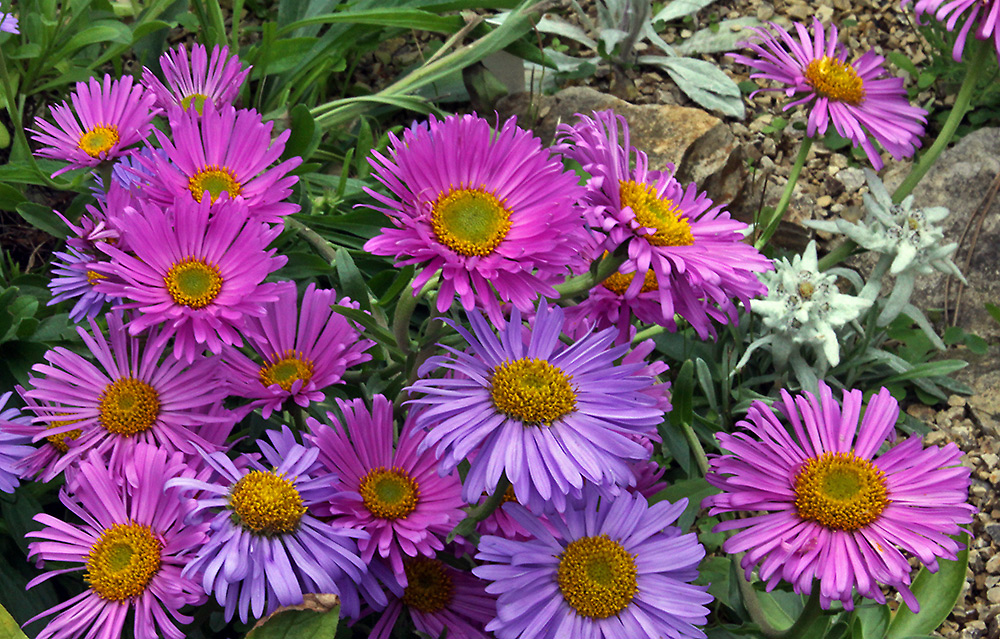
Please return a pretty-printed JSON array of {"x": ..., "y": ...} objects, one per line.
[
  {"x": 129, "y": 396},
  {"x": 984, "y": 15},
  {"x": 605, "y": 569},
  {"x": 197, "y": 78},
  {"x": 493, "y": 211},
  {"x": 13, "y": 444},
  {"x": 305, "y": 349},
  {"x": 396, "y": 495},
  {"x": 107, "y": 117},
  {"x": 8, "y": 23},
  {"x": 549, "y": 416},
  {"x": 40, "y": 462},
  {"x": 132, "y": 545},
  {"x": 223, "y": 151},
  {"x": 861, "y": 99},
  {"x": 437, "y": 598},
  {"x": 200, "y": 274},
  {"x": 833, "y": 509},
  {"x": 690, "y": 252},
  {"x": 101, "y": 223},
  {"x": 266, "y": 549},
  {"x": 73, "y": 278}
]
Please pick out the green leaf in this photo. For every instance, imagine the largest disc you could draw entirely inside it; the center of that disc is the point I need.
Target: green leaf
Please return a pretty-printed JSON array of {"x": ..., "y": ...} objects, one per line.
[
  {"x": 680, "y": 8},
  {"x": 317, "y": 618},
  {"x": 903, "y": 63},
  {"x": 695, "y": 490},
  {"x": 722, "y": 36},
  {"x": 302, "y": 141},
  {"x": 100, "y": 31},
  {"x": 352, "y": 284},
  {"x": 870, "y": 621},
  {"x": 940, "y": 368},
  {"x": 993, "y": 310},
  {"x": 42, "y": 217},
  {"x": 704, "y": 82},
  {"x": 937, "y": 593},
  {"x": 9, "y": 197},
  {"x": 8, "y": 627},
  {"x": 372, "y": 329},
  {"x": 395, "y": 17}
]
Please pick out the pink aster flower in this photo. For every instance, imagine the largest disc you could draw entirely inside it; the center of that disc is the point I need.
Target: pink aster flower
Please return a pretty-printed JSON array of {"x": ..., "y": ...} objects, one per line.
[
  {"x": 440, "y": 598},
  {"x": 223, "y": 151},
  {"x": 833, "y": 509},
  {"x": 690, "y": 252},
  {"x": 304, "y": 352},
  {"x": 197, "y": 78},
  {"x": 132, "y": 545},
  {"x": 131, "y": 395},
  {"x": 8, "y": 23},
  {"x": 861, "y": 99},
  {"x": 393, "y": 492},
  {"x": 491, "y": 210},
  {"x": 984, "y": 15},
  {"x": 200, "y": 275},
  {"x": 106, "y": 118}
]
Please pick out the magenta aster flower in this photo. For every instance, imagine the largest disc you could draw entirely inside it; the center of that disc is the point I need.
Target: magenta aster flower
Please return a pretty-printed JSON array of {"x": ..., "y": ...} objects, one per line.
[
  {"x": 833, "y": 509},
  {"x": 107, "y": 117},
  {"x": 197, "y": 78},
  {"x": 304, "y": 352},
  {"x": 437, "y": 598},
  {"x": 984, "y": 15},
  {"x": 491, "y": 210},
  {"x": 690, "y": 252},
  {"x": 605, "y": 569},
  {"x": 223, "y": 151},
  {"x": 131, "y": 546},
  {"x": 396, "y": 495},
  {"x": 201, "y": 275},
  {"x": 13, "y": 444},
  {"x": 861, "y": 99},
  {"x": 266, "y": 549},
  {"x": 129, "y": 397},
  {"x": 549, "y": 416}
]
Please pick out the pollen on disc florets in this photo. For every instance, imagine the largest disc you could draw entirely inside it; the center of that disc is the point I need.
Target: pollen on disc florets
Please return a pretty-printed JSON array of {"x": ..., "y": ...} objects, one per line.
[
  {"x": 836, "y": 80},
  {"x": 216, "y": 180},
  {"x": 532, "y": 390},
  {"x": 266, "y": 503},
  {"x": 840, "y": 491},
  {"x": 123, "y": 561},
  {"x": 429, "y": 587},
  {"x": 651, "y": 212},
  {"x": 287, "y": 368},
  {"x": 128, "y": 406},
  {"x": 470, "y": 221},
  {"x": 389, "y": 493},
  {"x": 597, "y": 576},
  {"x": 98, "y": 140},
  {"x": 193, "y": 282}
]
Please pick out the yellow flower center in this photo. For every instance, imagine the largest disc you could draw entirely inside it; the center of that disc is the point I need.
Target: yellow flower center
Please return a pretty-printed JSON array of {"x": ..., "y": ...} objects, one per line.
[
  {"x": 193, "y": 282},
  {"x": 654, "y": 213},
  {"x": 215, "y": 180},
  {"x": 389, "y": 494},
  {"x": 128, "y": 406},
  {"x": 59, "y": 441},
  {"x": 196, "y": 99},
  {"x": 123, "y": 561},
  {"x": 840, "y": 491},
  {"x": 100, "y": 139},
  {"x": 266, "y": 503},
  {"x": 619, "y": 282},
  {"x": 286, "y": 369},
  {"x": 835, "y": 80},
  {"x": 470, "y": 221},
  {"x": 429, "y": 588},
  {"x": 597, "y": 576},
  {"x": 532, "y": 390},
  {"x": 93, "y": 277}
]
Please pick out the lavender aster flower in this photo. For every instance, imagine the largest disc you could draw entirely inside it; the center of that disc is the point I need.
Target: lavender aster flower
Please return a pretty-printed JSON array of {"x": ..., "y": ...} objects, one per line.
[
  {"x": 304, "y": 352},
  {"x": 689, "y": 251},
  {"x": 13, "y": 444},
  {"x": 606, "y": 569},
  {"x": 266, "y": 549},
  {"x": 984, "y": 15},
  {"x": 8, "y": 23},
  {"x": 131, "y": 546},
  {"x": 197, "y": 78},
  {"x": 491, "y": 210},
  {"x": 833, "y": 509},
  {"x": 548, "y": 416},
  {"x": 107, "y": 117},
  {"x": 861, "y": 102},
  {"x": 73, "y": 278}
]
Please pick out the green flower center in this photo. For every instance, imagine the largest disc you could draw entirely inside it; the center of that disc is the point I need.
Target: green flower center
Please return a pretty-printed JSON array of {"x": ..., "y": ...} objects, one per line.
[
  {"x": 266, "y": 503},
  {"x": 532, "y": 391},
  {"x": 389, "y": 494},
  {"x": 123, "y": 561},
  {"x": 98, "y": 140},
  {"x": 470, "y": 221}
]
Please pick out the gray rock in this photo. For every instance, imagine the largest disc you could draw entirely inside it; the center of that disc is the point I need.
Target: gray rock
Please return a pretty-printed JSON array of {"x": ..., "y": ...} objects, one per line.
[{"x": 852, "y": 179}]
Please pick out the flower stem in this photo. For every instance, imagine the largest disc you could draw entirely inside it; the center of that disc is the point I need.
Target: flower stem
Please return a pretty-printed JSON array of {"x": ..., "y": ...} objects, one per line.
[
  {"x": 605, "y": 268},
  {"x": 973, "y": 69},
  {"x": 317, "y": 241},
  {"x": 467, "y": 527},
  {"x": 771, "y": 225},
  {"x": 14, "y": 111}
]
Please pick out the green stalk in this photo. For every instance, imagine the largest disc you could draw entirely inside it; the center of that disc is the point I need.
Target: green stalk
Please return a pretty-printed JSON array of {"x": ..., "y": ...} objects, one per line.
[
  {"x": 401, "y": 318},
  {"x": 606, "y": 267},
  {"x": 973, "y": 70},
  {"x": 314, "y": 239},
  {"x": 467, "y": 527},
  {"x": 14, "y": 111},
  {"x": 771, "y": 225},
  {"x": 807, "y": 617}
]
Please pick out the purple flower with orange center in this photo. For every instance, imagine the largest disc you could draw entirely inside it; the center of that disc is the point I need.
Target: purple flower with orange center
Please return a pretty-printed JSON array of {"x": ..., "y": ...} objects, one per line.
[
  {"x": 305, "y": 349},
  {"x": 52, "y": 435},
  {"x": 439, "y": 598},
  {"x": 199, "y": 274},
  {"x": 860, "y": 98},
  {"x": 266, "y": 548},
  {"x": 547, "y": 415},
  {"x": 74, "y": 278},
  {"x": 827, "y": 506},
  {"x": 689, "y": 251},
  {"x": 131, "y": 394},
  {"x": 223, "y": 151},
  {"x": 106, "y": 119},
  {"x": 196, "y": 78},
  {"x": 491, "y": 210},
  {"x": 391, "y": 491},
  {"x": 132, "y": 545}
]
